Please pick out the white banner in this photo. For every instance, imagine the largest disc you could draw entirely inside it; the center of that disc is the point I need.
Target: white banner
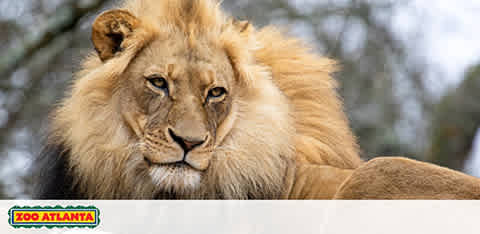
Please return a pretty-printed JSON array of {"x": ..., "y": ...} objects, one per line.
[{"x": 269, "y": 217}]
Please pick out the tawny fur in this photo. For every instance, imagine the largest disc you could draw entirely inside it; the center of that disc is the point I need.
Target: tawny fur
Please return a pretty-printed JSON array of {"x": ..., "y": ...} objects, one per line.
[
  {"x": 402, "y": 178},
  {"x": 288, "y": 111}
]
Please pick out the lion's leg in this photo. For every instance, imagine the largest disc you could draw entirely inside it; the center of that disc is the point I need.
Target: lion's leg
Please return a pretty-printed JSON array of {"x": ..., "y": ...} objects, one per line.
[
  {"x": 317, "y": 182},
  {"x": 401, "y": 178}
]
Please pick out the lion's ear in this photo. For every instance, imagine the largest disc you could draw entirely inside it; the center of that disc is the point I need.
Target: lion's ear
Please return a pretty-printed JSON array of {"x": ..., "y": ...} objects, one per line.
[
  {"x": 242, "y": 26},
  {"x": 110, "y": 29}
]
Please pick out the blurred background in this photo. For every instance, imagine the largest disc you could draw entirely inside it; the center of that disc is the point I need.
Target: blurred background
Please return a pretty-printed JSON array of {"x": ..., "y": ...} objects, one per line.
[{"x": 410, "y": 74}]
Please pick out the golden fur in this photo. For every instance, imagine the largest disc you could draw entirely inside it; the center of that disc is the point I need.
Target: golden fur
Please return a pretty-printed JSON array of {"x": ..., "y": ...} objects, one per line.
[
  {"x": 283, "y": 107},
  {"x": 402, "y": 178},
  {"x": 317, "y": 182}
]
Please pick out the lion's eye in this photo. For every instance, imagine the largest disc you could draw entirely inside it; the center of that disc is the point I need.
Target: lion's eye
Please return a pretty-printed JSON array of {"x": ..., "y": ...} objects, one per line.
[
  {"x": 217, "y": 92},
  {"x": 158, "y": 82}
]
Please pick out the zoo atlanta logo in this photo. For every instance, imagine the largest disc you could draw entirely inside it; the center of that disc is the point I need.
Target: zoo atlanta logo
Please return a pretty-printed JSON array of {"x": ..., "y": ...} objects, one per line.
[{"x": 54, "y": 217}]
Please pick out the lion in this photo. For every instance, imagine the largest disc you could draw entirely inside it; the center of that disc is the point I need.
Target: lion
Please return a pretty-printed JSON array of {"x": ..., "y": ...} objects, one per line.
[{"x": 180, "y": 101}]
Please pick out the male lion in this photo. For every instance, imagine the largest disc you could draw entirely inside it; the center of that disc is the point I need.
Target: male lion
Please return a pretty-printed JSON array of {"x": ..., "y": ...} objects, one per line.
[{"x": 180, "y": 101}]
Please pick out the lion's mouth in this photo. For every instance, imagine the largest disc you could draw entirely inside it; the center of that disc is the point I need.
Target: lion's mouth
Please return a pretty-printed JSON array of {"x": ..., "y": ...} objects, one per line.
[
  {"x": 179, "y": 164},
  {"x": 170, "y": 178}
]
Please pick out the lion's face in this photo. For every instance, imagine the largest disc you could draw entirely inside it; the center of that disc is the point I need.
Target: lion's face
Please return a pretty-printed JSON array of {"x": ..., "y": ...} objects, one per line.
[{"x": 178, "y": 101}]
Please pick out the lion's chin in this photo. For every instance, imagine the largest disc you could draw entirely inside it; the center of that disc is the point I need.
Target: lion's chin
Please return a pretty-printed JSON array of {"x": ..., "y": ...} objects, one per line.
[{"x": 175, "y": 178}]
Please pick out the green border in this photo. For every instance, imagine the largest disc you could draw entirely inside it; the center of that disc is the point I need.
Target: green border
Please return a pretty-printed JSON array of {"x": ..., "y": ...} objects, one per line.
[{"x": 58, "y": 207}]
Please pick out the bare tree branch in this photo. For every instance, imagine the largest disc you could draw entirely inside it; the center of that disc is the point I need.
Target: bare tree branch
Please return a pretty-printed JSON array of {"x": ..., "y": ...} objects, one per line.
[
  {"x": 64, "y": 20},
  {"x": 39, "y": 64}
]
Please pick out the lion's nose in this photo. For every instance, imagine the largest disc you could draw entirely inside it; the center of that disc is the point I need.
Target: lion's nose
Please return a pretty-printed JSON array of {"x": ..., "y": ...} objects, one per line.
[{"x": 187, "y": 143}]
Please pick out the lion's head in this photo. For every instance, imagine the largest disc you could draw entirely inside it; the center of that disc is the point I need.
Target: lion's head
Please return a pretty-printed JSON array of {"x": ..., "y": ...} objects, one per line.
[
  {"x": 167, "y": 108},
  {"x": 180, "y": 101}
]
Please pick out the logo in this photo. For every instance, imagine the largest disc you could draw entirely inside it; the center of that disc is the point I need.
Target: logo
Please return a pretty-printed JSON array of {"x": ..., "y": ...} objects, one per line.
[{"x": 54, "y": 217}]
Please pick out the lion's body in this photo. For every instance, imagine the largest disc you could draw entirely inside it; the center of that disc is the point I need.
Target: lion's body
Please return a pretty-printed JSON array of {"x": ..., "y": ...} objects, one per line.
[
  {"x": 401, "y": 178},
  {"x": 182, "y": 102}
]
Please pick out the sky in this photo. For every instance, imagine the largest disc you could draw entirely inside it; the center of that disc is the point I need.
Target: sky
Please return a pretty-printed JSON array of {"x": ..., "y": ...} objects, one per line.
[
  {"x": 450, "y": 41},
  {"x": 473, "y": 164}
]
